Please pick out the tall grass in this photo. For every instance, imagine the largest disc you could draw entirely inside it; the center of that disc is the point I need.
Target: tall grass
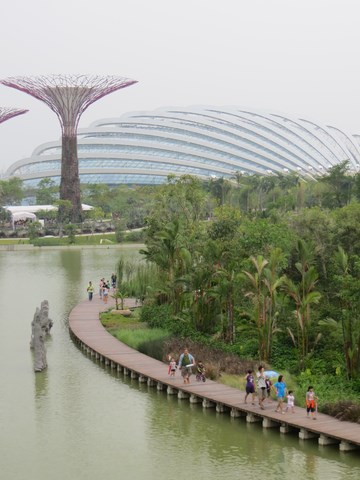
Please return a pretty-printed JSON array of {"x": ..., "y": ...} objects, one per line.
[{"x": 135, "y": 338}]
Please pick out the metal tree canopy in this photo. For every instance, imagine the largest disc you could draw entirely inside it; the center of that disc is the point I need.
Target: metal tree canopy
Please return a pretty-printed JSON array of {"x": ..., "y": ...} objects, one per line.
[
  {"x": 7, "y": 113},
  {"x": 68, "y": 95}
]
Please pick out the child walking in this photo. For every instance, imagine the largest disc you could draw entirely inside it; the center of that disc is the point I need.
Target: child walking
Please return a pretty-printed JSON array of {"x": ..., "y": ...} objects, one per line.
[
  {"x": 280, "y": 387},
  {"x": 311, "y": 402},
  {"x": 268, "y": 383},
  {"x": 290, "y": 402},
  {"x": 172, "y": 367},
  {"x": 201, "y": 370},
  {"x": 250, "y": 386}
]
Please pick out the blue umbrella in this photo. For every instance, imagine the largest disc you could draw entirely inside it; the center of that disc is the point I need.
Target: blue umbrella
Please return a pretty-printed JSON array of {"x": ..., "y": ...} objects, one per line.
[{"x": 271, "y": 373}]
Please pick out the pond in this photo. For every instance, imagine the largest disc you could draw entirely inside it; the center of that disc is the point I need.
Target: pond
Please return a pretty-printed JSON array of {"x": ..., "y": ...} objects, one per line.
[{"x": 79, "y": 420}]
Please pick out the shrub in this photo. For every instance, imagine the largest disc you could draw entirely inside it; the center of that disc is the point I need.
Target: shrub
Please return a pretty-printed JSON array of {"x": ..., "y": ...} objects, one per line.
[
  {"x": 345, "y": 411},
  {"x": 156, "y": 315},
  {"x": 119, "y": 235},
  {"x": 154, "y": 348},
  {"x": 137, "y": 236},
  {"x": 138, "y": 337}
]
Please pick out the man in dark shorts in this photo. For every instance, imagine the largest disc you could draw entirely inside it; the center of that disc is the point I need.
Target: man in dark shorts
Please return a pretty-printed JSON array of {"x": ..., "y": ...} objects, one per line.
[{"x": 186, "y": 361}]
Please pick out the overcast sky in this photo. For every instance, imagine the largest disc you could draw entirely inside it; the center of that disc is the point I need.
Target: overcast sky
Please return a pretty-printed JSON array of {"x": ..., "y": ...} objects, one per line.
[{"x": 299, "y": 57}]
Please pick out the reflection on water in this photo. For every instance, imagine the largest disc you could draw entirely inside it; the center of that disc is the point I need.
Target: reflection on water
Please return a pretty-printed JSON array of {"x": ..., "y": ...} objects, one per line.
[
  {"x": 80, "y": 420},
  {"x": 41, "y": 384}
]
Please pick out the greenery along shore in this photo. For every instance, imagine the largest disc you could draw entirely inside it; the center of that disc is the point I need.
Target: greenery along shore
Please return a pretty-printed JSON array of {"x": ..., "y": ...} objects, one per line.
[{"x": 264, "y": 267}]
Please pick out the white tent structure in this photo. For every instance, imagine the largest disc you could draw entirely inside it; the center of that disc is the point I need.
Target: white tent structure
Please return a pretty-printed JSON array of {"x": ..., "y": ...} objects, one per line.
[
  {"x": 24, "y": 212},
  {"x": 37, "y": 208},
  {"x": 22, "y": 216}
]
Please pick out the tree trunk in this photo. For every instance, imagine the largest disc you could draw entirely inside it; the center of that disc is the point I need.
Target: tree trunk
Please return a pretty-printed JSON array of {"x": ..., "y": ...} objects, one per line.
[{"x": 70, "y": 180}]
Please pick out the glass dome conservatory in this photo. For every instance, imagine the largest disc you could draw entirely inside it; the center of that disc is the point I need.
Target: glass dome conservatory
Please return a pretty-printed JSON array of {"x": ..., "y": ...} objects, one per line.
[{"x": 205, "y": 141}]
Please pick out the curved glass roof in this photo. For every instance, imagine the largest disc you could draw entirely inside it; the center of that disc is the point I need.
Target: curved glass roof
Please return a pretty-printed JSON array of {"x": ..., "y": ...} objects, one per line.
[{"x": 207, "y": 141}]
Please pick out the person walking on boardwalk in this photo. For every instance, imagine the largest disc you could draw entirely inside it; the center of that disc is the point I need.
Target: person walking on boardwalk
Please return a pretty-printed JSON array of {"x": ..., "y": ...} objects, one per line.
[
  {"x": 106, "y": 288},
  {"x": 311, "y": 402},
  {"x": 172, "y": 367},
  {"x": 201, "y": 370},
  {"x": 113, "y": 280},
  {"x": 101, "y": 288},
  {"x": 250, "y": 386},
  {"x": 186, "y": 361},
  {"x": 90, "y": 291},
  {"x": 261, "y": 383},
  {"x": 290, "y": 401},
  {"x": 280, "y": 387},
  {"x": 268, "y": 388}
]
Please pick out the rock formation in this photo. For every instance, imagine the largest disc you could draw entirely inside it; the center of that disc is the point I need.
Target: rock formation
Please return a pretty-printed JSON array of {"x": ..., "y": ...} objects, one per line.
[{"x": 41, "y": 326}]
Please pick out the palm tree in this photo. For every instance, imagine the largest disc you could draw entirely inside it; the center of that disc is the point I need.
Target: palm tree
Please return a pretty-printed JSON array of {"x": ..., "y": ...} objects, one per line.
[
  {"x": 264, "y": 284},
  {"x": 168, "y": 249},
  {"x": 304, "y": 296},
  {"x": 348, "y": 293}
]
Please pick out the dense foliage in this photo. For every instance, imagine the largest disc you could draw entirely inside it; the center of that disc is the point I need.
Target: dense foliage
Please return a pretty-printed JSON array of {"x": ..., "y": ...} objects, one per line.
[{"x": 266, "y": 267}]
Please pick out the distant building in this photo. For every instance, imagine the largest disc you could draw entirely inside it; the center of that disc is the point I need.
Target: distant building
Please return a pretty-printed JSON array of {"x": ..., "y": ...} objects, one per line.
[{"x": 208, "y": 142}]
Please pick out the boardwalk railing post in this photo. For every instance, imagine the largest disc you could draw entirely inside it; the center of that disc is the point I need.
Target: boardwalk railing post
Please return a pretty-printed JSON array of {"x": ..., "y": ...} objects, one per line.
[
  {"x": 251, "y": 418},
  {"x": 171, "y": 390},
  {"x": 235, "y": 413},
  {"x": 324, "y": 440},
  {"x": 221, "y": 408},
  {"x": 305, "y": 434},
  {"x": 269, "y": 423},
  {"x": 285, "y": 428},
  {"x": 347, "y": 446},
  {"x": 194, "y": 399},
  {"x": 206, "y": 403},
  {"x": 183, "y": 395}
]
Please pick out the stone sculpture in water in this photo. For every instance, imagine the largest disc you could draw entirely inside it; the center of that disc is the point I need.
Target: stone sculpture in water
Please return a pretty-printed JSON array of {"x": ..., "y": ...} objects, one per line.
[
  {"x": 46, "y": 322},
  {"x": 41, "y": 326}
]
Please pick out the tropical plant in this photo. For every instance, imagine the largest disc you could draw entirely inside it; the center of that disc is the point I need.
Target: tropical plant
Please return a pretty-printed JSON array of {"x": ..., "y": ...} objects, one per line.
[
  {"x": 264, "y": 284},
  {"x": 304, "y": 295},
  {"x": 347, "y": 287}
]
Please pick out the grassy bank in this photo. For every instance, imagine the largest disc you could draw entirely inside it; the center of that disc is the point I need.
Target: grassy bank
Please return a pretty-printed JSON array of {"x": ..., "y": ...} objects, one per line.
[{"x": 79, "y": 240}]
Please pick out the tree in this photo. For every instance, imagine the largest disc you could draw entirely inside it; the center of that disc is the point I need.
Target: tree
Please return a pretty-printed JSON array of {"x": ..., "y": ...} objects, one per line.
[
  {"x": 264, "y": 284},
  {"x": 304, "y": 296},
  {"x": 68, "y": 96},
  {"x": 64, "y": 214},
  {"x": 220, "y": 189},
  {"x": 98, "y": 195},
  {"x": 181, "y": 199},
  {"x": 224, "y": 290},
  {"x": 167, "y": 248},
  {"x": 46, "y": 192},
  {"x": 339, "y": 183},
  {"x": 226, "y": 222},
  {"x": 70, "y": 230},
  {"x": 347, "y": 288},
  {"x": 34, "y": 229},
  {"x": 11, "y": 192}
]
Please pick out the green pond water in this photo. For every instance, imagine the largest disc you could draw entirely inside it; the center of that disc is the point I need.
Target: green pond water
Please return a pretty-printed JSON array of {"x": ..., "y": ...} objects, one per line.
[{"x": 79, "y": 420}]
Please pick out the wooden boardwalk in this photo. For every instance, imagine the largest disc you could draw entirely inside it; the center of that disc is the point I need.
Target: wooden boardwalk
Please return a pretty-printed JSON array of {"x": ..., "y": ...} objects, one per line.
[{"x": 90, "y": 335}]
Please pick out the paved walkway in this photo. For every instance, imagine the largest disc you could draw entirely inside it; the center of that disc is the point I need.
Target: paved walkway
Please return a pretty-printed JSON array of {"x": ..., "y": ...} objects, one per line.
[{"x": 88, "y": 332}]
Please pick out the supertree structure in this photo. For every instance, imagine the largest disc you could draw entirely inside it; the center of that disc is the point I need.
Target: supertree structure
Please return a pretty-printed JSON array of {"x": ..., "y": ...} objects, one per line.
[
  {"x": 69, "y": 96},
  {"x": 6, "y": 113}
]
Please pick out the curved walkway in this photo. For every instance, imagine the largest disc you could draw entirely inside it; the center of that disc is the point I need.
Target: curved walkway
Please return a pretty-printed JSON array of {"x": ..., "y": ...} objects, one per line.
[{"x": 91, "y": 336}]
